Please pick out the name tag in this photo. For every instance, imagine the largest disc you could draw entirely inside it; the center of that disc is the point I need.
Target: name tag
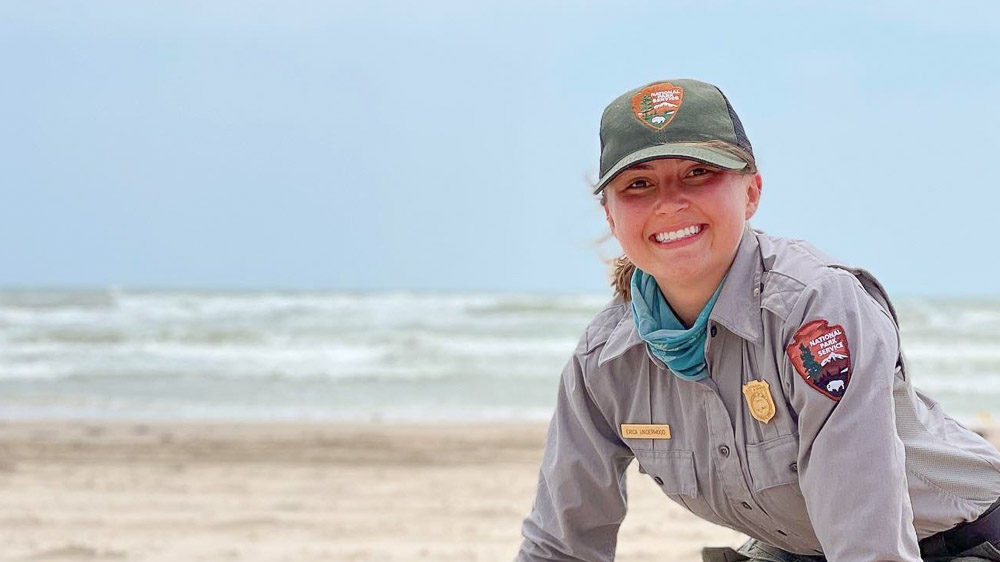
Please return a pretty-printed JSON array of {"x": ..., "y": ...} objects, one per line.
[{"x": 645, "y": 431}]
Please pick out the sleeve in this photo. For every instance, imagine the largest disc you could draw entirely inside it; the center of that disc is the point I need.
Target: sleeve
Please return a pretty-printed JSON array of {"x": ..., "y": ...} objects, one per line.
[
  {"x": 841, "y": 354},
  {"x": 581, "y": 498}
]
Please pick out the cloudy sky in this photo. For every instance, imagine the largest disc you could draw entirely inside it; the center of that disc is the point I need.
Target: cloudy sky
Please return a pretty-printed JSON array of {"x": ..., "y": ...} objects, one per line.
[{"x": 449, "y": 145}]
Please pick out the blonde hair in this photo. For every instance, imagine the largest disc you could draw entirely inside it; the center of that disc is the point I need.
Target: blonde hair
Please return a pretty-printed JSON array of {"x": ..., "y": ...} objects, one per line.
[{"x": 622, "y": 267}]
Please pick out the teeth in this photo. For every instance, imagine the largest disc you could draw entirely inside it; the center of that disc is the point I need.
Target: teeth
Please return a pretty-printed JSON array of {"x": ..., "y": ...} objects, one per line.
[{"x": 677, "y": 234}]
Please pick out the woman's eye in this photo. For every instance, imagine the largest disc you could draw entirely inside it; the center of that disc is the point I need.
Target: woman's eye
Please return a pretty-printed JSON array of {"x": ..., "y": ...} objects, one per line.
[
  {"x": 638, "y": 184},
  {"x": 700, "y": 171}
]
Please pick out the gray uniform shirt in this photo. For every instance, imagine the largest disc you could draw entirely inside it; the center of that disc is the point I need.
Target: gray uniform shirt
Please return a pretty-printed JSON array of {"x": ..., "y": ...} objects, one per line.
[{"x": 857, "y": 477}]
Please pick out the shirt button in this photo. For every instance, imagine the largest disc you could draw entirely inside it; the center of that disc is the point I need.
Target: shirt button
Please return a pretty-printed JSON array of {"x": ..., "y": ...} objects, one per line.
[
  {"x": 794, "y": 467},
  {"x": 746, "y": 505},
  {"x": 724, "y": 451},
  {"x": 713, "y": 331},
  {"x": 658, "y": 480}
]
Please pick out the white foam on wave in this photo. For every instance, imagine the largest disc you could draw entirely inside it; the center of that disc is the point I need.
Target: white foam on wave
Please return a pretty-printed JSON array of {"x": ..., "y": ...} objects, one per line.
[
  {"x": 493, "y": 347},
  {"x": 454, "y": 354},
  {"x": 975, "y": 384},
  {"x": 953, "y": 351}
]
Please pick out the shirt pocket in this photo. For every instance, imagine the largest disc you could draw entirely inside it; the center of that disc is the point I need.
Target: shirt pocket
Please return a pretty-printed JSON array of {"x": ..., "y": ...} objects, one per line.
[
  {"x": 674, "y": 473},
  {"x": 774, "y": 473}
]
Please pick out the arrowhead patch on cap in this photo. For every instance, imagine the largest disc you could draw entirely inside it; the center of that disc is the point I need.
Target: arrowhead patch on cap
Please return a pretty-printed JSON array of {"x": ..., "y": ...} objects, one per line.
[
  {"x": 656, "y": 105},
  {"x": 821, "y": 355}
]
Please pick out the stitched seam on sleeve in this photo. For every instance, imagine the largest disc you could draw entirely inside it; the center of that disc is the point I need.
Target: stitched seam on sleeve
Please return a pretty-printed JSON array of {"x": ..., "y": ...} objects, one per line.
[{"x": 597, "y": 406}]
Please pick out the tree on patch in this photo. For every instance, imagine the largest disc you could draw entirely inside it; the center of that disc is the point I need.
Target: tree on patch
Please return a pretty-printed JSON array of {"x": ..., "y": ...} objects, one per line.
[
  {"x": 809, "y": 362},
  {"x": 646, "y": 105}
]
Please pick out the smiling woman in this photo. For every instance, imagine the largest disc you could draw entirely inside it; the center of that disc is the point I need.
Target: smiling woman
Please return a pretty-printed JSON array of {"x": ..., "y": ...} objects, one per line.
[
  {"x": 623, "y": 266},
  {"x": 758, "y": 381},
  {"x": 681, "y": 221}
]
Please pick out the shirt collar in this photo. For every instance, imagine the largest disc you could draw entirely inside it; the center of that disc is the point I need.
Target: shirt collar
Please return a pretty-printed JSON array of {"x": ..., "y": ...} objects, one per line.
[
  {"x": 737, "y": 309},
  {"x": 624, "y": 336}
]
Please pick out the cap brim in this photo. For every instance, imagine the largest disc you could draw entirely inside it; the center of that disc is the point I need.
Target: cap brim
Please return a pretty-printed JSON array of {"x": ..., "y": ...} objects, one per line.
[{"x": 700, "y": 153}]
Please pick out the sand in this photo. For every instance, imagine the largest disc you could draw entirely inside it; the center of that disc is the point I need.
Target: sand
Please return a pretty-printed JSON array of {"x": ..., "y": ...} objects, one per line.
[
  {"x": 293, "y": 491},
  {"x": 175, "y": 491}
]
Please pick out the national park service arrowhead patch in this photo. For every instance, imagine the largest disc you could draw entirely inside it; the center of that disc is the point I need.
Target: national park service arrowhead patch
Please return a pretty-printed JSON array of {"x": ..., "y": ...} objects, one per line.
[
  {"x": 821, "y": 355},
  {"x": 656, "y": 104}
]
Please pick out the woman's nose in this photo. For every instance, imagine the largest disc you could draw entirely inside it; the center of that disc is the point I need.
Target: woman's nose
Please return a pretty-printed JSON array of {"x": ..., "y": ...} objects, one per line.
[{"x": 669, "y": 199}]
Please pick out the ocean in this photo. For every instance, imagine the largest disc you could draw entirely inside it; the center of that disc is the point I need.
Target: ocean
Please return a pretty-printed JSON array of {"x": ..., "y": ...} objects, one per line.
[{"x": 284, "y": 355}]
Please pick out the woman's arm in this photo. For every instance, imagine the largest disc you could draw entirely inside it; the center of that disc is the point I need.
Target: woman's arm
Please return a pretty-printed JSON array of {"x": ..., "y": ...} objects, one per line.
[
  {"x": 841, "y": 354},
  {"x": 580, "y": 502}
]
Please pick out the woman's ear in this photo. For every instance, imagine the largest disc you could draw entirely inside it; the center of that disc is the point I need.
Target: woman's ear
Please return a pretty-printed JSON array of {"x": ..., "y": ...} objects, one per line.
[{"x": 754, "y": 189}]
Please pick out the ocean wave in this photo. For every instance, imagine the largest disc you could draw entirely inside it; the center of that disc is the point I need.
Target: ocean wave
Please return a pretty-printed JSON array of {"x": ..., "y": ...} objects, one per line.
[
  {"x": 390, "y": 353},
  {"x": 954, "y": 352},
  {"x": 980, "y": 385}
]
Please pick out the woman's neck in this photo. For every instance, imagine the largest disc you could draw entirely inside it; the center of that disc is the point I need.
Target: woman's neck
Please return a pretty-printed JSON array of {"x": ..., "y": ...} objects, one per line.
[{"x": 687, "y": 302}]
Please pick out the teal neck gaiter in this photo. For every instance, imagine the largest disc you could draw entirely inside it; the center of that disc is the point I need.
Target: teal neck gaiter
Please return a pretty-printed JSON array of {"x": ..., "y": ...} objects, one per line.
[{"x": 682, "y": 350}]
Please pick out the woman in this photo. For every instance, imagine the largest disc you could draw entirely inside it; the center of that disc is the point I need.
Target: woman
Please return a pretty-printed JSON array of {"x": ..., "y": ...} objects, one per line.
[{"x": 758, "y": 381}]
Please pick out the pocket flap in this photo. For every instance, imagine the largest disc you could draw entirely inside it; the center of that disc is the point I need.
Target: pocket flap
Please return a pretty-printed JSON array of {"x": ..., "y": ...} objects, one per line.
[
  {"x": 774, "y": 462},
  {"x": 672, "y": 470}
]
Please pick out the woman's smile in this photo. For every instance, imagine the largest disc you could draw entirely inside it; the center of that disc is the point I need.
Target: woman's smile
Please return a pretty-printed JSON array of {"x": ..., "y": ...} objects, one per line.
[{"x": 679, "y": 237}]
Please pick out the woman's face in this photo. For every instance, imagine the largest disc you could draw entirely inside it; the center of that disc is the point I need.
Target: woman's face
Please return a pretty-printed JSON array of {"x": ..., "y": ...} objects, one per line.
[{"x": 679, "y": 220}]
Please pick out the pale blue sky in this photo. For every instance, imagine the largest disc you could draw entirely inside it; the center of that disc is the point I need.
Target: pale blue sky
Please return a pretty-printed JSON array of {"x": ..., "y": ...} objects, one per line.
[{"x": 449, "y": 145}]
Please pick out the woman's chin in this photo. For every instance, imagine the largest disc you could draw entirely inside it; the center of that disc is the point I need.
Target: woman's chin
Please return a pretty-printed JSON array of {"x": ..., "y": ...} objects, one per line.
[{"x": 686, "y": 275}]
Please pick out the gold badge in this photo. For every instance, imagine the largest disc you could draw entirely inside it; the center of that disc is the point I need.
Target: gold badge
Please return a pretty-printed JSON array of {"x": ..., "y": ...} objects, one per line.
[
  {"x": 645, "y": 431},
  {"x": 758, "y": 395}
]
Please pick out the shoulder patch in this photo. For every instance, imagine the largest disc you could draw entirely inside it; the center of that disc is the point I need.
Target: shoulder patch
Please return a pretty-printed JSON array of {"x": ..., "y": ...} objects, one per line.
[{"x": 821, "y": 355}]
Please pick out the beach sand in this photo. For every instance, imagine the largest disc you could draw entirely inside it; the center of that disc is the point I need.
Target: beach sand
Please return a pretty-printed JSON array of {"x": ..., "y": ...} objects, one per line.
[{"x": 171, "y": 491}]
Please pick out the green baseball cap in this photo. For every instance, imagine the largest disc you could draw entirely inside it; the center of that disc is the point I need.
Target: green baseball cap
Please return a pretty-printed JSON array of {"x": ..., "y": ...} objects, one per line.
[{"x": 669, "y": 119}]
